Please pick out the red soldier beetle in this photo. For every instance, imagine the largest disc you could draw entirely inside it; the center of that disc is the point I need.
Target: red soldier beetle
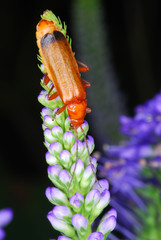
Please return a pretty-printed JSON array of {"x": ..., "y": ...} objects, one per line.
[{"x": 63, "y": 70}]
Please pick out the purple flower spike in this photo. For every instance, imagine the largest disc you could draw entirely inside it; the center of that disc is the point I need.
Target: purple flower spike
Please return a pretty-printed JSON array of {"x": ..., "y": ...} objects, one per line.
[
  {"x": 95, "y": 236},
  {"x": 79, "y": 222},
  {"x": 63, "y": 238},
  {"x": 62, "y": 212},
  {"x": 6, "y": 216},
  {"x": 104, "y": 185},
  {"x": 107, "y": 225}
]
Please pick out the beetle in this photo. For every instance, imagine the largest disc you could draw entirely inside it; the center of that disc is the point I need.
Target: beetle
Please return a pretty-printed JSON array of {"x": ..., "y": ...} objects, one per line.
[{"x": 64, "y": 72}]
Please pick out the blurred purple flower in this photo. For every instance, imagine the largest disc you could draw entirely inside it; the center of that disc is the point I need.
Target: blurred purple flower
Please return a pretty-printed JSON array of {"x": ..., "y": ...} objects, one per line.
[
  {"x": 122, "y": 164},
  {"x": 6, "y": 216}
]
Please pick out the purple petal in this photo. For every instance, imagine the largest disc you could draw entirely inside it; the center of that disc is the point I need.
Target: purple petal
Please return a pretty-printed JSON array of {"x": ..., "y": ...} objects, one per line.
[
  {"x": 79, "y": 222},
  {"x": 95, "y": 236},
  {"x": 6, "y": 216}
]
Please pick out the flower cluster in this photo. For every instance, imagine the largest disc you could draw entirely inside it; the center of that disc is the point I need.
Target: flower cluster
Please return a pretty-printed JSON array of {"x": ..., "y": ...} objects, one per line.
[
  {"x": 6, "y": 216},
  {"x": 123, "y": 164},
  {"x": 78, "y": 197},
  {"x": 77, "y": 208}
]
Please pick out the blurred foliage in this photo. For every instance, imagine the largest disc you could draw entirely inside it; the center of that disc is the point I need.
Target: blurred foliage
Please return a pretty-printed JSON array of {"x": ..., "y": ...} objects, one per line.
[{"x": 151, "y": 218}]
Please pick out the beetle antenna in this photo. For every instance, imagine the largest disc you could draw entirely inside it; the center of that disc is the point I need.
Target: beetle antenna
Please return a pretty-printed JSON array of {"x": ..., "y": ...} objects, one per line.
[
  {"x": 76, "y": 133},
  {"x": 85, "y": 139}
]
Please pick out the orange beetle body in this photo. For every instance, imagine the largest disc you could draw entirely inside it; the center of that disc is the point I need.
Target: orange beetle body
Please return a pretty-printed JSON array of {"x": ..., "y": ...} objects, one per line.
[{"x": 62, "y": 69}]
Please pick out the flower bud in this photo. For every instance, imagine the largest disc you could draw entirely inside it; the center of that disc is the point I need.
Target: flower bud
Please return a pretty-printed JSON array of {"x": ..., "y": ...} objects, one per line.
[
  {"x": 79, "y": 169},
  {"x": 57, "y": 133},
  {"x": 111, "y": 212},
  {"x": 80, "y": 223},
  {"x": 66, "y": 159},
  {"x": 76, "y": 202},
  {"x": 95, "y": 236},
  {"x": 60, "y": 225},
  {"x": 64, "y": 178},
  {"x": 103, "y": 183},
  {"x": 85, "y": 127},
  {"x": 56, "y": 196},
  {"x": 53, "y": 174},
  {"x": 68, "y": 140},
  {"x": 6, "y": 216},
  {"x": 46, "y": 111},
  {"x": 48, "y": 136},
  {"x": 50, "y": 159},
  {"x": 87, "y": 176},
  {"x": 63, "y": 213},
  {"x": 49, "y": 121},
  {"x": 2, "y": 234},
  {"x": 107, "y": 225},
  {"x": 67, "y": 124},
  {"x": 55, "y": 148},
  {"x": 80, "y": 150},
  {"x": 92, "y": 199},
  {"x": 59, "y": 118},
  {"x": 41, "y": 97},
  {"x": 103, "y": 202}
]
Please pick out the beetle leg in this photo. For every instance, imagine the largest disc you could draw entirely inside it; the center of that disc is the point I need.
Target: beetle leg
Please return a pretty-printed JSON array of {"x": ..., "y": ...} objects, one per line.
[
  {"x": 60, "y": 110},
  {"x": 52, "y": 96},
  {"x": 83, "y": 68},
  {"x": 86, "y": 84},
  {"x": 88, "y": 110},
  {"x": 46, "y": 79}
]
